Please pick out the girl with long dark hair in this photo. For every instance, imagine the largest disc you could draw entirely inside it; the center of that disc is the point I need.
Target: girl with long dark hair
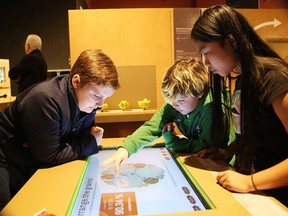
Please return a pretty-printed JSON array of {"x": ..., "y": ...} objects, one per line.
[{"x": 259, "y": 103}]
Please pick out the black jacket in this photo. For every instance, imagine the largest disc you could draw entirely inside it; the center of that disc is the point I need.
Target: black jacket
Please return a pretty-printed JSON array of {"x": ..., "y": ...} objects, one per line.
[
  {"x": 49, "y": 121},
  {"x": 31, "y": 69}
]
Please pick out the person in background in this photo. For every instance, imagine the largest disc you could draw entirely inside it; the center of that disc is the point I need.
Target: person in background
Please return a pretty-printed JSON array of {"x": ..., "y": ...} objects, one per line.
[
  {"x": 185, "y": 88},
  {"x": 33, "y": 67},
  {"x": 259, "y": 102},
  {"x": 53, "y": 122}
]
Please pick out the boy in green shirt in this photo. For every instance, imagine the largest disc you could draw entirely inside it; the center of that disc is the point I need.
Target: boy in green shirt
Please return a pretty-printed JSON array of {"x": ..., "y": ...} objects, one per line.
[{"x": 185, "y": 88}]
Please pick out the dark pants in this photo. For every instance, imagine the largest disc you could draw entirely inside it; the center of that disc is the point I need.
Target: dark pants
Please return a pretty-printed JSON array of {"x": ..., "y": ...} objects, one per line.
[
  {"x": 12, "y": 178},
  {"x": 4, "y": 187}
]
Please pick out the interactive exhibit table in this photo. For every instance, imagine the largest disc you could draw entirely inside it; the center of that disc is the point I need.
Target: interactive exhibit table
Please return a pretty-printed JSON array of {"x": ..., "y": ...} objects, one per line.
[{"x": 153, "y": 181}]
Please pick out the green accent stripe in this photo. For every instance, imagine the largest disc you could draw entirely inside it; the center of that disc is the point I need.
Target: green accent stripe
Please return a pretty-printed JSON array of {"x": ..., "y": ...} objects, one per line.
[{"x": 72, "y": 202}]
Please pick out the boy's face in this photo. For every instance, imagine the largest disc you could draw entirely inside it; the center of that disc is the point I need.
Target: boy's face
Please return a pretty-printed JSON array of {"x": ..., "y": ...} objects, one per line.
[
  {"x": 90, "y": 97},
  {"x": 185, "y": 104}
]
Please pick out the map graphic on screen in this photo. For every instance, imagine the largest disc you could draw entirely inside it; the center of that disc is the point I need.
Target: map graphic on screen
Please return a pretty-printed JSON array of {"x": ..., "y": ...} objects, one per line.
[{"x": 133, "y": 175}]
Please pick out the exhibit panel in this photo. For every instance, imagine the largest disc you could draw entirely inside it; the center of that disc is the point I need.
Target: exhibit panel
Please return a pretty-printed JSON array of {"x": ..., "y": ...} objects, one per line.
[
  {"x": 136, "y": 84},
  {"x": 183, "y": 21}
]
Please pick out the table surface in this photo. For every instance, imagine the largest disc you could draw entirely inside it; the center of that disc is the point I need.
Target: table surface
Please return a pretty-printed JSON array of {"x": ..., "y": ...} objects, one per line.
[{"x": 53, "y": 188}]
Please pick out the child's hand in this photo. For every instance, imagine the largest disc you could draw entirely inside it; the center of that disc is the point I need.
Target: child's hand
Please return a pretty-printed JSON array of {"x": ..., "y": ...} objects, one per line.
[
  {"x": 168, "y": 127},
  {"x": 97, "y": 132},
  {"x": 234, "y": 181},
  {"x": 118, "y": 158}
]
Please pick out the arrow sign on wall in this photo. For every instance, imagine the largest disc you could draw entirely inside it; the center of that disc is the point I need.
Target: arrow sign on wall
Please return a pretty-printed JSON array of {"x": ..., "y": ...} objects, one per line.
[{"x": 275, "y": 23}]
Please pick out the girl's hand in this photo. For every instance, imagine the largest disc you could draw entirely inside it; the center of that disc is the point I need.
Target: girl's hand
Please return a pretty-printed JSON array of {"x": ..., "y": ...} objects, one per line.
[
  {"x": 118, "y": 158},
  {"x": 234, "y": 181}
]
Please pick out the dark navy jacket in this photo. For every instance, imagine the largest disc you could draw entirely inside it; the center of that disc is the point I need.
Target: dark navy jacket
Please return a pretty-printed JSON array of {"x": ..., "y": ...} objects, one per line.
[{"x": 46, "y": 117}]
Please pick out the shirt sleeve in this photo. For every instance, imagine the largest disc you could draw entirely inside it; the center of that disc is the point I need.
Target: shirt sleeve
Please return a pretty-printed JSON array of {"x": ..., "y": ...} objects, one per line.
[
  {"x": 146, "y": 134},
  {"x": 22, "y": 67},
  {"x": 275, "y": 84}
]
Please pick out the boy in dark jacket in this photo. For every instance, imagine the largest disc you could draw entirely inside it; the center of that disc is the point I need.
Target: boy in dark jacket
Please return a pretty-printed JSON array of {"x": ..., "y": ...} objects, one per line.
[{"x": 53, "y": 122}]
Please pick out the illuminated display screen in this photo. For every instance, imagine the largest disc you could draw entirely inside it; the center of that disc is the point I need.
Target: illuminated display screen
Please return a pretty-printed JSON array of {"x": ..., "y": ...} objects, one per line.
[
  {"x": 2, "y": 74},
  {"x": 153, "y": 181}
]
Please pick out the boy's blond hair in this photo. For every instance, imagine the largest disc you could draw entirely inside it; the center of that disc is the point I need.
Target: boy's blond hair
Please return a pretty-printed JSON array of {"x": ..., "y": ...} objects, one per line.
[{"x": 187, "y": 77}]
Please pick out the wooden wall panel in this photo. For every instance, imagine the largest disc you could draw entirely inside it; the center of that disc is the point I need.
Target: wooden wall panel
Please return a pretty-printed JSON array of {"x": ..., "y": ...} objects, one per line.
[
  {"x": 271, "y": 25},
  {"x": 131, "y": 37}
]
